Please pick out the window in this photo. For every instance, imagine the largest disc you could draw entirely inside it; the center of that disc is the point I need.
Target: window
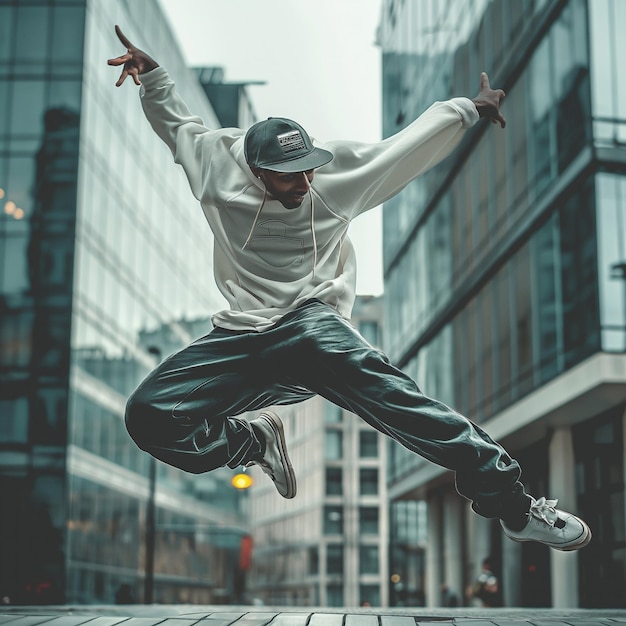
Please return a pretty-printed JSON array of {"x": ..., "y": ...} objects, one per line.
[
  {"x": 579, "y": 275},
  {"x": 6, "y": 22},
  {"x": 368, "y": 481},
  {"x": 368, "y": 520},
  {"x": 370, "y": 595},
  {"x": 502, "y": 325},
  {"x": 48, "y": 421},
  {"x": 31, "y": 37},
  {"x": 333, "y": 414},
  {"x": 368, "y": 444},
  {"x": 28, "y": 106},
  {"x": 334, "y": 558},
  {"x": 611, "y": 224},
  {"x": 66, "y": 22},
  {"x": 14, "y": 422},
  {"x": 334, "y": 595},
  {"x": 543, "y": 257},
  {"x": 524, "y": 322},
  {"x": 333, "y": 520},
  {"x": 15, "y": 337},
  {"x": 333, "y": 445},
  {"x": 368, "y": 560},
  {"x": 314, "y": 560},
  {"x": 334, "y": 481}
]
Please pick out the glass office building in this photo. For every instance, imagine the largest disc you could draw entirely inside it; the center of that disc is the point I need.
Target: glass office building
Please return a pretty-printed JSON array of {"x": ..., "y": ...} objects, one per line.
[
  {"x": 105, "y": 265},
  {"x": 516, "y": 315}
]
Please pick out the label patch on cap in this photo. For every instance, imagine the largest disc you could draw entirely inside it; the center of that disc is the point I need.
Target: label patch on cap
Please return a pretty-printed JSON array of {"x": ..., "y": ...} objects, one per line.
[{"x": 291, "y": 141}]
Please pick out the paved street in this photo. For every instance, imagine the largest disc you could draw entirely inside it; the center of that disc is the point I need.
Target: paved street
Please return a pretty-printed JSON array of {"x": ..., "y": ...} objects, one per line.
[{"x": 193, "y": 615}]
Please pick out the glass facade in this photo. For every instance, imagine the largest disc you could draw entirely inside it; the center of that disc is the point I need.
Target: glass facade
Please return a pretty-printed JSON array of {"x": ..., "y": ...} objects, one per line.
[
  {"x": 516, "y": 241},
  {"x": 105, "y": 265},
  {"x": 507, "y": 294},
  {"x": 516, "y": 269},
  {"x": 40, "y": 104}
]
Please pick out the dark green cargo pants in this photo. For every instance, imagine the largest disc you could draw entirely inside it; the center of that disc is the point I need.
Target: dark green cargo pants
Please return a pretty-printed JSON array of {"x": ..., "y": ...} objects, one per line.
[{"x": 184, "y": 412}]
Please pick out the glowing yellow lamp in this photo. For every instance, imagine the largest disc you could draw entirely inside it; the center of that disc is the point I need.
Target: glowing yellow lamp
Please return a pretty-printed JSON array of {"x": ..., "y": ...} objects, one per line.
[{"x": 241, "y": 481}]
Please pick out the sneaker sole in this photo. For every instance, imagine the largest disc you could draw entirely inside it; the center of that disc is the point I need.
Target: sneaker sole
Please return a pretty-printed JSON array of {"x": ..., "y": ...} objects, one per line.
[{"x": 277, "y": 426}]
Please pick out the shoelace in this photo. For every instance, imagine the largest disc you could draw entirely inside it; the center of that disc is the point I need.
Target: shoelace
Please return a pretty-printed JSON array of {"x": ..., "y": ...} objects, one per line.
[{"x": 545, "y": 510}]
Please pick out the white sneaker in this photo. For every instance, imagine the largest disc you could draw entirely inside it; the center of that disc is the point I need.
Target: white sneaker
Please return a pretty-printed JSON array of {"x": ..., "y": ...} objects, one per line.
[
  {"x": 275, "y": 462},
  {"x": 549, "y": 525}
]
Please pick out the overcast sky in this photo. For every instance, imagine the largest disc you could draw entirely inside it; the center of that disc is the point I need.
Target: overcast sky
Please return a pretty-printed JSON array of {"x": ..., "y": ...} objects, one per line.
[{"x": 321, "y": 67}]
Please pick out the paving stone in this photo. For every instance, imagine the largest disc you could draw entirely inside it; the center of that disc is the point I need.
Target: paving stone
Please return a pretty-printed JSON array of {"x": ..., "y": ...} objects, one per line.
[{"x": 191, "y": 615}]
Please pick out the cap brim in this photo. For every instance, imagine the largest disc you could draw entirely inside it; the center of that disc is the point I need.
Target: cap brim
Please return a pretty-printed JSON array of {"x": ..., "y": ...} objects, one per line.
[{"x": 311, "y": 161}]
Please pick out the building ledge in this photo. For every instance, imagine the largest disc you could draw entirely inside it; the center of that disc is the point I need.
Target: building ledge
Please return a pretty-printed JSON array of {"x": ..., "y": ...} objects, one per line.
[{"x": 587, "y": 389}]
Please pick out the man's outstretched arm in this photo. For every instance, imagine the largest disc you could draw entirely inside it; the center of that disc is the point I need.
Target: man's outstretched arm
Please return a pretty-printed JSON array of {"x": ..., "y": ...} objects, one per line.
[{"x": 184, "y": 133}]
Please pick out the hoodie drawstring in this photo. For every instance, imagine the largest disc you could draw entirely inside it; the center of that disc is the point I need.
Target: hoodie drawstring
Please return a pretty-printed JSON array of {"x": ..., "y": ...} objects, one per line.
[
  {"x": 313, "y": 232},
  {"x": 256, "y": 219}
]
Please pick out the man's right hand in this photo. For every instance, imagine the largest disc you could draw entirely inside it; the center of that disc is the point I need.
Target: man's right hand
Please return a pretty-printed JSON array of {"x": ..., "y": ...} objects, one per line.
[{"x": 135, "y": 61}]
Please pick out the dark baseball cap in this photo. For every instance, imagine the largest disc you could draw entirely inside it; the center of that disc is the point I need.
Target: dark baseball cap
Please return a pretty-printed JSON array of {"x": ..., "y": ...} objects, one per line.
[{"x": 282, "y": 145}]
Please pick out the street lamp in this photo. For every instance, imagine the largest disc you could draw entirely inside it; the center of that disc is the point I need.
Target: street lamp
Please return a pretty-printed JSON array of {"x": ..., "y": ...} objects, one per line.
[
  {"x": 148, "y": 583},
  {"x": 242, "y": 481},
  {"x": 239, "y": 481}
]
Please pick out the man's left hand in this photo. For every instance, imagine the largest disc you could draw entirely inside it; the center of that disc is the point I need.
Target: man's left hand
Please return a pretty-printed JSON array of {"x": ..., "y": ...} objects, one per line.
[{"x": 488, "y": 101}]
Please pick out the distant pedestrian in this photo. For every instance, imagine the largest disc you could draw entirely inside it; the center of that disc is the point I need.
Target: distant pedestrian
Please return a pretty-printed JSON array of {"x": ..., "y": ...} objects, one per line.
[
  {"x": 487, "y": 586},
  {"x": 279, "y": 205}
]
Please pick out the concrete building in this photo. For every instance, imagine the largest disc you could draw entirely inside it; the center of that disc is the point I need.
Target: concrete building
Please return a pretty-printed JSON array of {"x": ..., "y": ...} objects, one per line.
[
  {"x": 515, "y": 312},
  {"x": 105, "y": 256},
  {"x": 328, "y": 546},
  {"x": 230, "y": 100}
]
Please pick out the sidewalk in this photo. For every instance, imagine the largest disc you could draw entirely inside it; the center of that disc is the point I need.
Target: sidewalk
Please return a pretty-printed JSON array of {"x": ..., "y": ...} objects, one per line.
[{"x": 194, "y": 615}]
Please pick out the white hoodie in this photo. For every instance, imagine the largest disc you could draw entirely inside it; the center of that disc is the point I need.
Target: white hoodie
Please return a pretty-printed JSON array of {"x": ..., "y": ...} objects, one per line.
[{"x": 269, "y": 259}]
